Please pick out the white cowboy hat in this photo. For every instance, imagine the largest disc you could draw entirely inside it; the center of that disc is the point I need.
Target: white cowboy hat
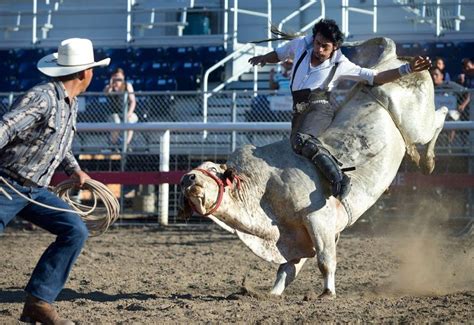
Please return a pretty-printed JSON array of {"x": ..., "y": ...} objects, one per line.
[{"x": 74, "y": 55}]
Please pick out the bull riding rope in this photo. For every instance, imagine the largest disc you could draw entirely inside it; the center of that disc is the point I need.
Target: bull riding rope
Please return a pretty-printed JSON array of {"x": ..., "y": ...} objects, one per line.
[{"x": 97, "y": 225}]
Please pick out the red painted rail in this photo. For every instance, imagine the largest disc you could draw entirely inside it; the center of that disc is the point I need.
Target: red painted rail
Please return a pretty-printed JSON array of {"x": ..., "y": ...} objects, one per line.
[
  {"x": 129, "y": 178},
  {"x": 173, "y": 177}
]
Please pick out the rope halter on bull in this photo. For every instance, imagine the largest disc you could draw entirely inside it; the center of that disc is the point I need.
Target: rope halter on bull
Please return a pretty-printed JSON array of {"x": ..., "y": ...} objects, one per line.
[
  {"x": 97, "y": 224},
  {"x": 229, "y": 176}
]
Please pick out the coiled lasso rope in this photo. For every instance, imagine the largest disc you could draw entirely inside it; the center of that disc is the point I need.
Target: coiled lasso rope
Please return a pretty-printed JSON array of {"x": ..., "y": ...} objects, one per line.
[{"x": 97, "y": 224}]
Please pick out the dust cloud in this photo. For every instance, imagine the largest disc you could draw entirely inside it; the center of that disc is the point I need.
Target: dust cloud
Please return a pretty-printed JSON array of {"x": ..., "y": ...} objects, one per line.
[{"x": 432, "y": 260}]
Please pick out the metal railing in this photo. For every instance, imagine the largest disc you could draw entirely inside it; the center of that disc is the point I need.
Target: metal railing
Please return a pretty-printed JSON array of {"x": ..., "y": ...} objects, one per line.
[
  {"x": 165, "y": 129},
  {"x": 346, "y": 8},
  {"x": 443, "y": 15},
  {"x": 300, "y": 10},
  {"x": 240, "y": 55},
  {"x": 242, "y": 52},
  {"x": 168, "y": 136},
  {"x": 231, "y": 107}
]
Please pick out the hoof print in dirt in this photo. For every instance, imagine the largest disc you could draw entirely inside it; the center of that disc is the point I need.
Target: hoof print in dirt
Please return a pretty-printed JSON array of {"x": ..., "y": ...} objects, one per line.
[
  {"x": 135, "y": 307},
  {"x": 327, "y": 295},
  {"x": 246, "y": 292},
  {"x": 310, "y": 296}
]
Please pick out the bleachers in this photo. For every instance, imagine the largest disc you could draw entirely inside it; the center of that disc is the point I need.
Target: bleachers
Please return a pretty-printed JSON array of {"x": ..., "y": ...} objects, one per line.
[
  {"x": 148, "y": 69},
  {"x": 181, "y": 68}
]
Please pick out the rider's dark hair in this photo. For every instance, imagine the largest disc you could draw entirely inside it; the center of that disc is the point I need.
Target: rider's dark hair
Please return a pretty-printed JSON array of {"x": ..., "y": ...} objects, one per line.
[
  {"x": 326, "y": 27},
  {"x": 280, "y": 35},
  {"x": 329, "y": 30}
]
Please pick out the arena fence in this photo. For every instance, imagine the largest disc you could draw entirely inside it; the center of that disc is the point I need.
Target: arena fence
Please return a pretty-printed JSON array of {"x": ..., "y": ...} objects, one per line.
[{"x": 169, "y": 139}]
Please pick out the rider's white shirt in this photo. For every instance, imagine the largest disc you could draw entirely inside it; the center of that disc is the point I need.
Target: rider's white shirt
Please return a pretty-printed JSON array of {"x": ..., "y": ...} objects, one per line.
[{"x": 314, "y": 77}]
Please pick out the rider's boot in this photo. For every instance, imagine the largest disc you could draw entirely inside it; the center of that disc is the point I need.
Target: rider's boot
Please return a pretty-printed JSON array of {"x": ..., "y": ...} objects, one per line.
[
  {"x": 313, "y": 149},
  {"x": 340, "y": 182}
]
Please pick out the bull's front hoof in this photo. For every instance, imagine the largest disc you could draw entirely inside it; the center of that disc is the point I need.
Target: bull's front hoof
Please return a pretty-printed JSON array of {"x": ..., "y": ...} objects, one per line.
[
  {"x": 427, "y": 165},
  {"x": 327, "y": 294}
]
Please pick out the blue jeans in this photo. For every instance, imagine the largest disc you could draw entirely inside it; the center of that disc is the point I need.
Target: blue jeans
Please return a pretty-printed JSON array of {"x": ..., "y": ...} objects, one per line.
[{"x": 52, "y": 270}]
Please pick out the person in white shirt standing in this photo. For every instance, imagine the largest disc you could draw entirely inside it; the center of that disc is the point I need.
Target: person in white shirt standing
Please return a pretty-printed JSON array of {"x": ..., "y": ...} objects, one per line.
[{"x": 319, "y": 66}]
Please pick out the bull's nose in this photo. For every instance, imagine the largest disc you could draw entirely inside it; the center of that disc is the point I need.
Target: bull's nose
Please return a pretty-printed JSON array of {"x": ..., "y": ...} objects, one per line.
[{"x": 188, "y": 180}]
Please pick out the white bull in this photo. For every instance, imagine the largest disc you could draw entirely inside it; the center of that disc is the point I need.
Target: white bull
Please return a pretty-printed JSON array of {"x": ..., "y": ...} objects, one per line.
[{"x": 282, "y": 209}]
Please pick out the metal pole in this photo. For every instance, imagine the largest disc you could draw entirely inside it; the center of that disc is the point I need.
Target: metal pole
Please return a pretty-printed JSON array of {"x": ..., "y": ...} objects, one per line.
[
  {"x": 226, "y": 23},
  {"x": 255, "y": 74},
  {"x": 129, "y": 21},
  {"x": 34, "y": 39},
  {"x": 375, "y": 17},
  {"x": 205, "y": 97},
  {"x": 234, "y": 119},
  {"x": 163, "y": 191},
  {"x": 269, "y": 22},
  {"x": 343, "y": 21},
  {"x": 346, "y": 12},
  {"x": 205, "y": 101},
  {"x": 345, "y": 17},
  {"x": 438, "y": 18},
  {"x": 457, "y": 22},
  {"x": 234, "y": 34},
  {"x": 220, "y": 126},
  {"x": 125, "y": 120},
  {"x": 10, "y": 100}
]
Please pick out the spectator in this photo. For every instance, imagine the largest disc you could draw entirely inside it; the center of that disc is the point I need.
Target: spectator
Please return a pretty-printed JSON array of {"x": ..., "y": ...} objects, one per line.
[
  {"x": 281, "y": 80},
  {"x": 452, "y": 96},
  {"x": 439, "y": 63},
  {"x": 116, "y": 89},
  {"x": 466, "y": 78},
  {"x": 35, "y": 138}
]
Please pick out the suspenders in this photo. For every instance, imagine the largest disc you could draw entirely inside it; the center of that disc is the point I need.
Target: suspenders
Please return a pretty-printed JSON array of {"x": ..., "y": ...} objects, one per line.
[{"x": 296, "y": 68}]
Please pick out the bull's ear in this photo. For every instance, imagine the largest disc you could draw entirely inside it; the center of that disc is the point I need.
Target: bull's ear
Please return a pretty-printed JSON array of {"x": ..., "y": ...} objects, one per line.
[
  {"x": 229, "y": 176},
  {"x": 184, "y": 208},
  {"x": 223, "y": 166}
]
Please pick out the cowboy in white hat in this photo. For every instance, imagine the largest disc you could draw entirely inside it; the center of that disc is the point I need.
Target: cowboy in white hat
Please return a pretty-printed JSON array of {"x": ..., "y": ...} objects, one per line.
[{"x": 35, "y": 138}]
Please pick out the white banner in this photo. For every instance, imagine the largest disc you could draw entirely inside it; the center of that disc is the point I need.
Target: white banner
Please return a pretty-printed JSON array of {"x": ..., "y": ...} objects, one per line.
[{"x": 280, "y": 103}]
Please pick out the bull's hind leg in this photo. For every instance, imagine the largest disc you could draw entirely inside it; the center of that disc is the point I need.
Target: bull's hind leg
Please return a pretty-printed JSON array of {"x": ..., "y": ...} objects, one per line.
[
  {"x": 321, "y": 226},
  {"x": 427, "y": 162},
  {"x": 286, "y": 274}
]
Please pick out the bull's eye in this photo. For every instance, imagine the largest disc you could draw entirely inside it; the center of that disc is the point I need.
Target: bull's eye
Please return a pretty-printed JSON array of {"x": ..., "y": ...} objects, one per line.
[{"x": 212, "y": 169}]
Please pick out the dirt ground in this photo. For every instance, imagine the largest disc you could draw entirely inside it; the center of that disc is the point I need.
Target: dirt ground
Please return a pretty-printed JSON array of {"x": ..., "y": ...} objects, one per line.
[{"x": 196, "y": 274}]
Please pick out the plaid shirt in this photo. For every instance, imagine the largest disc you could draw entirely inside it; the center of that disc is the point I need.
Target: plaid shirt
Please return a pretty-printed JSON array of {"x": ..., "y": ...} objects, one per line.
[{"x": 37, "y": 133}]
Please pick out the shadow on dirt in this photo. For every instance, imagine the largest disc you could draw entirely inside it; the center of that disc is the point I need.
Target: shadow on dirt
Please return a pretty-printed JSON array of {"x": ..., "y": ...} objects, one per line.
[{"x": 68, "y": 294}]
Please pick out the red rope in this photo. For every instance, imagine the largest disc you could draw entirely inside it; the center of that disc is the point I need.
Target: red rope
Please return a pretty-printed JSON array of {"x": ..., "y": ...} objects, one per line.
[{"x": 221, "y": 185}]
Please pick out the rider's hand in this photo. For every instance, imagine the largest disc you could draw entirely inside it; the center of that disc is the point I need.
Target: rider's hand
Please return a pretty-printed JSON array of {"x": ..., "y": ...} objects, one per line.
[
  {"x": 420, "y": 63},
  {"x": 259, "y": 59}
]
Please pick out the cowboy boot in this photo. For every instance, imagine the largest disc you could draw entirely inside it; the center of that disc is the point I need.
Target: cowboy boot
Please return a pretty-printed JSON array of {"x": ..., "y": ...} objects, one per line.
[
  {"x": 313, "y": 149},
  {"x": 37, "y": 310},
  {"x": 329, "y": 167}
]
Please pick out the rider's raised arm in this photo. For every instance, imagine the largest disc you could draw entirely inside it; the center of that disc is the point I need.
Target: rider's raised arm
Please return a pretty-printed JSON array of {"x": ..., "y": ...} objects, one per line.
[
  {"x": 261, "y": 60},
  {"x": 415, "y": 65}
]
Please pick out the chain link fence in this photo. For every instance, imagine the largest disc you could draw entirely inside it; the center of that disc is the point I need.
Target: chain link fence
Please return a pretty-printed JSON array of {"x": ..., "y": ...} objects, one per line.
[{"x": 108, "y": 151}]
